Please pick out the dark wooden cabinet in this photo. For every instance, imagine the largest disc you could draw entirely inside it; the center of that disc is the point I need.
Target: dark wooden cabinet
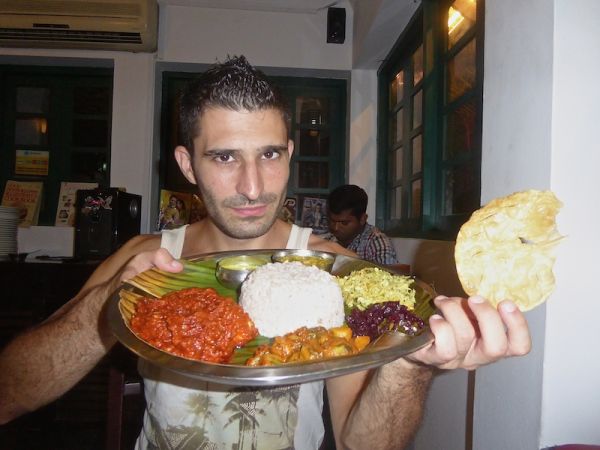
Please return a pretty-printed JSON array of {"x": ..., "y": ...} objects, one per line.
[
  {"x": 33, "y": 291},
  {"x": 78, "y": 420}
]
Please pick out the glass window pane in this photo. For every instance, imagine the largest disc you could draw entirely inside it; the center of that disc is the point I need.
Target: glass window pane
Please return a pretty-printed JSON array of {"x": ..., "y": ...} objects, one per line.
[
  {"x": 460, "y": 130},
  {"x": 415, "y": 205},
  {"x": 418, "y": 109},
  {"x": 312, "y": 110},
  {"x": 90, "y": 133},
  {"x": 33, "y": 100},
  {"x": 91, "y": 100},
  {"x": 396, "y": 127},
  {"x": 398, "y": 164},
  {"x": 462, "y": 72},
  {"x": 313, "y": 175},
  {"x": 86, "y": 166},
  {"x": 31, "y": 131},
  {"x": 461, "y": 18},
  {"x": 418, "y": 65},
  {"x": 397, "y": 89},
  {"x": 312, "y": 142},
  {"x": 417, "y": 154},
  {"x": 461, "y": 193}
]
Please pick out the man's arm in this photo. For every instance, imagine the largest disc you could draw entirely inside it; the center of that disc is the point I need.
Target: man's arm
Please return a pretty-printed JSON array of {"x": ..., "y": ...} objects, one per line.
[
  {"x": 379, "y": 409},
  {"x": 382, "y": 409},
  {"x": 43, "y": 363}
]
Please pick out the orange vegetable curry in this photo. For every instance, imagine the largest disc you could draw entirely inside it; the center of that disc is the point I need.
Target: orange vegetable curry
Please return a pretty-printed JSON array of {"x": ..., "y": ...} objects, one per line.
[{"x": 308, "y": 344}]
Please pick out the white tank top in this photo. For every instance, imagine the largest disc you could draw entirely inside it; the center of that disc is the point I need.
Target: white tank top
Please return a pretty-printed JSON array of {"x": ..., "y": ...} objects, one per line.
[{"x": 185, "y": 413}]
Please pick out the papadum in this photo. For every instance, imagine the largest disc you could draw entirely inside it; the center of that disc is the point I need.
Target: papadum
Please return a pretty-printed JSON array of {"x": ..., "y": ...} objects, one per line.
[{"x": 506, "y": 249}]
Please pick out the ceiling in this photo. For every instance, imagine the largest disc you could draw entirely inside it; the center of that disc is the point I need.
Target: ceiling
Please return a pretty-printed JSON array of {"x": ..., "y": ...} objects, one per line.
[{"x": 289, "y": 6}]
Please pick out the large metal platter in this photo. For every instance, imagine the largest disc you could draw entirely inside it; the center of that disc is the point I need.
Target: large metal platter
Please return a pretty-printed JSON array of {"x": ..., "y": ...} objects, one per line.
[{"x": 385, "y": 349}]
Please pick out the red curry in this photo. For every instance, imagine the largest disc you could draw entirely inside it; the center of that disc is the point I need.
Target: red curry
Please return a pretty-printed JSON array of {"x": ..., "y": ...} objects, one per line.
[{"x": 195, "y": 323}]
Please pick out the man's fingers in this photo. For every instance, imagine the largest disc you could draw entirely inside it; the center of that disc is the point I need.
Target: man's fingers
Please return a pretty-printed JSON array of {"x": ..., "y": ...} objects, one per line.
[
  {"x": 457, "y": 313},
  {"x": 519, "y": 339},
  {"x": 493, "y": 343},
  {"x": 160, "y": 259},
  {"x": 470, "y": 333},
  {"x": 442, "y": 349}
]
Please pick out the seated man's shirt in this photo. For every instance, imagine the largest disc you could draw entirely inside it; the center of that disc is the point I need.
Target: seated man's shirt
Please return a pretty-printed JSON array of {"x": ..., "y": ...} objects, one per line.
[{"x": 371, "y": 244}]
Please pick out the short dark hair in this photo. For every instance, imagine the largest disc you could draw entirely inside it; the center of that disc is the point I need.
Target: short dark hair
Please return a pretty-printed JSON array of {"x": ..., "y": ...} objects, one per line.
[
  {"x": 233, "y": 84},
  {"x": 348, "y": 197}
]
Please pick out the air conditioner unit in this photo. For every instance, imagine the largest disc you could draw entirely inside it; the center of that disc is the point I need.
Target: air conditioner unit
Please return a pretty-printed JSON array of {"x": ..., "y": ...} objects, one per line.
[{"x": 129, "y": 25}]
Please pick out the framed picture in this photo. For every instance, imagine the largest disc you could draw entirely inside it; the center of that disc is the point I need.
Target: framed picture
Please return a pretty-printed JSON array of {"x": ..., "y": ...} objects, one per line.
[
  {"x": 314, "y": 214},
  {"x": 288, "y": 210}
]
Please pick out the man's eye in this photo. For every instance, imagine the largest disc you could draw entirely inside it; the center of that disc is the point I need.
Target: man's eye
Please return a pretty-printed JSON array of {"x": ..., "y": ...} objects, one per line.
[
  {"x": 224, "y": 157},
  {"x": 271, "y": 154}
]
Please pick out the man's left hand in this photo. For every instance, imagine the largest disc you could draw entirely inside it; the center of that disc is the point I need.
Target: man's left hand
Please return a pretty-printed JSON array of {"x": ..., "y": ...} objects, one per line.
[{"x": 470, "y": 333}]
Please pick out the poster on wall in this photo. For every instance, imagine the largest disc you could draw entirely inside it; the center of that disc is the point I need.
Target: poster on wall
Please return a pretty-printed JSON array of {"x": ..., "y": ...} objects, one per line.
[
  {"x": 65, "y": 209},
  {"x": 27, "y": 197},
  {"x": 288, "y": 210},
  {"x": 314, "y": 214},
  {"x": 32, "y": 162},
  {"x": 197, "y": 209},
  {"x": 174, "y": 209}
]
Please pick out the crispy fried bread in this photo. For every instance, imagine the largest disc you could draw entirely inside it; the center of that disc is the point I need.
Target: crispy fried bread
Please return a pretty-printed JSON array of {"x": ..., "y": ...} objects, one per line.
[{"x": 506, "y": 249}]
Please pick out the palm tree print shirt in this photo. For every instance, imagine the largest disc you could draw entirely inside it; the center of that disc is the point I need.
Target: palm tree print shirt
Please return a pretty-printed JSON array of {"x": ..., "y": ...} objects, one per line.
[{"x": 182, "y": 413}]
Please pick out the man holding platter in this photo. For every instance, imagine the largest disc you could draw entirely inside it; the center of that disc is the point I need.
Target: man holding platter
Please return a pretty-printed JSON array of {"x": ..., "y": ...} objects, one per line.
[{"x": 235, "y": 147}]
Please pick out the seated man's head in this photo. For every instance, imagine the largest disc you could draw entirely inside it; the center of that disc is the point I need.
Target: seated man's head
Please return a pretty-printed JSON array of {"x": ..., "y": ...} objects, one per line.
[
  {"x": 234, "y": 133},
  {"x": 347, "y": 212}
]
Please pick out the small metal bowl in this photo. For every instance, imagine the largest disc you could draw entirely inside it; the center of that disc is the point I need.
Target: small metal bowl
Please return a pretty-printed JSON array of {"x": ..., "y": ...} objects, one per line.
[
  {"x": 322, "y": 260},
  {"x": 233, "y": 270}
]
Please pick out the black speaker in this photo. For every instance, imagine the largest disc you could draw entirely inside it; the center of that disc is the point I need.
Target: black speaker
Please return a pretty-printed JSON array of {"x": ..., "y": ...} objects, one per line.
[
  {"x": 106, "y": 219},
  {"x": 336, "y": 25}
]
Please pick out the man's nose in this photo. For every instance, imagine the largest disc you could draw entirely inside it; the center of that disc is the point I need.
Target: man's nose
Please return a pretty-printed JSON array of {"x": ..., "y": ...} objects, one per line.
[{"x": 250, "y": 182}]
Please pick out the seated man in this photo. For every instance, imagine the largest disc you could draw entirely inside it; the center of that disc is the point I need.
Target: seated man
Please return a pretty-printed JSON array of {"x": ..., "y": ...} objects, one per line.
[{"x": 347, "y": 214}]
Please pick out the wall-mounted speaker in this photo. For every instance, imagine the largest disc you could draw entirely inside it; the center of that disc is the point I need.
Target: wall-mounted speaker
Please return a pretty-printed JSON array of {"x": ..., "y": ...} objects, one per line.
[
  {"x": 336, "y": 25},
  {"x": 105, "y": 220}
]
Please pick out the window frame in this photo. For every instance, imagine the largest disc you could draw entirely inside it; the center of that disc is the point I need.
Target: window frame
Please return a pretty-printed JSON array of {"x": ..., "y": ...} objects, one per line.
[{"x": 428, "y": 26}]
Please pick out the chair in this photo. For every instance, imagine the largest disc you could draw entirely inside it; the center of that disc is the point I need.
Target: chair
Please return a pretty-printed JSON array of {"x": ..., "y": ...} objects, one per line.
[{"x": 123, "y": 381}]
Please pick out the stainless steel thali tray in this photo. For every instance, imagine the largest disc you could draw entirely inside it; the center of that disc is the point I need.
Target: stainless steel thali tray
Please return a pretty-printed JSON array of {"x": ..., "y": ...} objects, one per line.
[{"x": 383, "y": 350}]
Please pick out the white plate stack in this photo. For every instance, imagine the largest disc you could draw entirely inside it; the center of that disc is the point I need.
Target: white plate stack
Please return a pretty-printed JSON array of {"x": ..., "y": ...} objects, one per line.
[{"x": 9, "y": 222}]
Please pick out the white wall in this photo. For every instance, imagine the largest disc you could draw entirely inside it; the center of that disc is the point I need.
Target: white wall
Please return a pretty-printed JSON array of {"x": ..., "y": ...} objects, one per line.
[
  {"x": 377, "y": 25},
  {"x": 362, "y": 149},
  {"x": 571, "y": 390},
  {"x": 515, "y": 155},
  {"x": 204, "y": 35},
  {"x": 540, "y": 99}
]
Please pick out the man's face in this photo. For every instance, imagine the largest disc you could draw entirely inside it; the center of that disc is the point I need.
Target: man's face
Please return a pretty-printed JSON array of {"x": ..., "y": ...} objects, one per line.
[
  {"x": 241, "y": 165},
  {"x": 345, "y": 227}
]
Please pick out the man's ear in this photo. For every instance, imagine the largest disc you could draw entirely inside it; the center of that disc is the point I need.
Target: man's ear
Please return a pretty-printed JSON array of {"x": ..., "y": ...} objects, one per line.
[
  {"x": 290, "y": 149},
  {"x": 363, "y": 218},
  {"x": 184, "y": 159}
]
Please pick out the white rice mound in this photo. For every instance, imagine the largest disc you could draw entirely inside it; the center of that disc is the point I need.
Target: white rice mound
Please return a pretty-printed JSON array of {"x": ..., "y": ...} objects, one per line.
[{"x": 282, "y": 297}]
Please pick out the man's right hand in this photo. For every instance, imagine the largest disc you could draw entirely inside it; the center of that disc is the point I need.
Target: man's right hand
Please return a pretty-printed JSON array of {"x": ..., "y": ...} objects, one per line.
[{"x": 161, "y": 259}]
